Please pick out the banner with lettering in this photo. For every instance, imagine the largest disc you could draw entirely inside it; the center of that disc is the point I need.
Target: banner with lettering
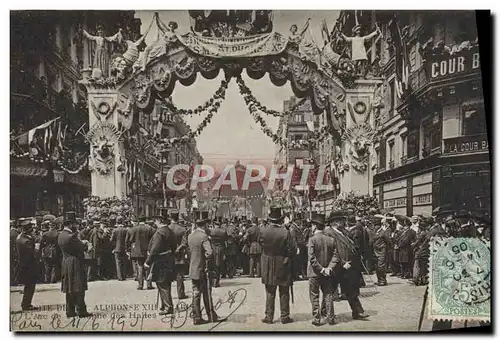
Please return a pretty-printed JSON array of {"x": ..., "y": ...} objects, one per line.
[{"x": 254, "y": 46}]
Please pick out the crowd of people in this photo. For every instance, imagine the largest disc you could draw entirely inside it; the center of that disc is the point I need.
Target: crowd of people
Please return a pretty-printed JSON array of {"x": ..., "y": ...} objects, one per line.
[{"x": 331, "y": 252}]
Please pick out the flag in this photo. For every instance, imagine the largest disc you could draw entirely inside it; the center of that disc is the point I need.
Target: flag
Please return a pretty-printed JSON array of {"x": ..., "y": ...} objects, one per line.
[
  {"x": 402, "y": 60},
  {"x": 324, "y": 31},
  {"x": 27, "y": 138}
]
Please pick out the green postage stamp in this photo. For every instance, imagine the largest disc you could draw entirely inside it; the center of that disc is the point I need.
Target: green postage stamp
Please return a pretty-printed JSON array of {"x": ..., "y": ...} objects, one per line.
[{"x": 460, "y": 279}]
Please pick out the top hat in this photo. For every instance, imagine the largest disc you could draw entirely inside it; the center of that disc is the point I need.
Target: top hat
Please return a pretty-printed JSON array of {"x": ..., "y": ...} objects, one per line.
[
  {"x": 174, "y": 214},
  {"x": 201, "y": 217},
  {"x": 70, "y": 217},
  {"x": 243, "y": 218},
  {"x": 218, "y": 220},
  {"x": 275, "y": 214},
  {"x": 318, "y": 218}
]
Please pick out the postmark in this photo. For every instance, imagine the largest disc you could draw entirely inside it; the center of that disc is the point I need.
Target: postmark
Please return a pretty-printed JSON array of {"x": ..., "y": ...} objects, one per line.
[{"x": 460, "y": 279}]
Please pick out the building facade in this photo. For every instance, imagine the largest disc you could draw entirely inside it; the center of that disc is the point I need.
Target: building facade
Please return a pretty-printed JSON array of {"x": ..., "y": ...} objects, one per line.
[
  {"x": 153, "y": 160},
  {"x": 47, "y": 56},
  {"x": 433, "y": 148}
]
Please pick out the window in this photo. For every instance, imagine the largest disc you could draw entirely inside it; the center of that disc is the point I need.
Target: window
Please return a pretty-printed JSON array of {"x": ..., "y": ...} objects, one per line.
[
  {"x": 413, "y": 143},
  {"x": 473, "y": 119},
  {"x": 382, "y": 154},
  {"x": 391, "y": 154},
  {"x": 432, "y": 136},
  {"x": 377, "y": 155},
  {"x": 297, "y": 118}
]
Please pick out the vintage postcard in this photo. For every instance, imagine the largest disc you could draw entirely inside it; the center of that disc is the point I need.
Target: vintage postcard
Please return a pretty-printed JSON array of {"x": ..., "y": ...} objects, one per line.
[{"x": 249, "y": 170}]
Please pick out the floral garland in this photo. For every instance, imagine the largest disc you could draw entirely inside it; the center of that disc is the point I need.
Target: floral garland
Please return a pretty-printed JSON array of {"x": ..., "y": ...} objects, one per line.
[
  {"x": 315, "y": 138},
  {"x": 213, "y": 108},
  {"x": 214, "y": 101},
  {"x": 250, "y": 98},
  {"x": 77, "y": 170},
  {"x": 108, "y": 208}
]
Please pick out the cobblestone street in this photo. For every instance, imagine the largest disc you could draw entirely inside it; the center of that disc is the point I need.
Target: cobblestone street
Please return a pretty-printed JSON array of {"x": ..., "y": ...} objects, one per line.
[{"x": 395, "y": 307}]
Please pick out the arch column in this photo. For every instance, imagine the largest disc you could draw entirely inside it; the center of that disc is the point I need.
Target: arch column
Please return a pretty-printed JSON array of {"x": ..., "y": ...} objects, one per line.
[
  {"x": 107, "y": 153},
  {"x": 357, "y": 174}
]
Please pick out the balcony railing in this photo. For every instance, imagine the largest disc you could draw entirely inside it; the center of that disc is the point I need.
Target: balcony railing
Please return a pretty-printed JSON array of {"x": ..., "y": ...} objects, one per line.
[{"x": 404, "y": 159}]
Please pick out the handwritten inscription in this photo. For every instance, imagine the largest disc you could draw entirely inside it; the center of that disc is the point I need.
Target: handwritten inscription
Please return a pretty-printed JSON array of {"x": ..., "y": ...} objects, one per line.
[{"x": 129, "y": 317}]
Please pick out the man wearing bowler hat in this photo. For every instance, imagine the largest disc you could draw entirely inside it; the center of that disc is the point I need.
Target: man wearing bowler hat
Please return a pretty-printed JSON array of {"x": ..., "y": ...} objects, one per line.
[
  {"x": 27, "y": 264},
  {"x": 349, "y": 269},
  {"x": 73, "y": 277},
  {"x": 277, "y": 253},
  {"x": 138, "y": 238},
  {"x": 201, "y": 251},
  {"x": 180, "y": 234},
  {"x": 323, "y": 260}
]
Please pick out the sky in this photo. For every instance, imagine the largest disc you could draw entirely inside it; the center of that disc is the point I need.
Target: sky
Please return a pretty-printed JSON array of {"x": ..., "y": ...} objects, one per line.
[{"x": 233, "y": 135}]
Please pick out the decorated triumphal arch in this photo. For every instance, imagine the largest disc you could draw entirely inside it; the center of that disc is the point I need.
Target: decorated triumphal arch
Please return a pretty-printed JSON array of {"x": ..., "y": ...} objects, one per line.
[{"x": 332, "y": 78}]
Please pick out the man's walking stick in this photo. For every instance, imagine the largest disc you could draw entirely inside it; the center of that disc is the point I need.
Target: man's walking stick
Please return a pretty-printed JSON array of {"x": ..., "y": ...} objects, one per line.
[
  {"x": 420, "y": 320},
  {"x": 367, "y": 272}
]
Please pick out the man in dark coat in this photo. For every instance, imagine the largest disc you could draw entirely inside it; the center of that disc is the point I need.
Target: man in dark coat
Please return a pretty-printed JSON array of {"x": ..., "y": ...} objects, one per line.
[
  {"x": 231, "y": 248},
  {"x": 218, "y": 238},
  {"x": 73, "y": 278},
  {"x": 252, "y": 236},
  {"x": 118, "y": 241},
  {"x": 94, "y": 255},
  {"x": 348, "y": 271},
  {"x": 394, "y": 259},
  {"x": 406, "y": 238},
  {"x": 180, "y": 235},
  {"x": 50, "y": 249},
  {"x": 277, "y": 253},
  {"x": 161, "y": 261},
  {"x": 138, "y": 239},
  {"x": 381, "y": 249},
  {"x": 323, "y": 259},
  {"x": 358, "y": 236},
  {"x": 201, "y": 251},
  {"x": 27, "y": 266},
  {"x": 421, "y": 254}
]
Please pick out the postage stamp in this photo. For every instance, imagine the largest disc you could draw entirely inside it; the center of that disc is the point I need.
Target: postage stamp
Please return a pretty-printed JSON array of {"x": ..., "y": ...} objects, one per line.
[{"x": 460, "y": 279}]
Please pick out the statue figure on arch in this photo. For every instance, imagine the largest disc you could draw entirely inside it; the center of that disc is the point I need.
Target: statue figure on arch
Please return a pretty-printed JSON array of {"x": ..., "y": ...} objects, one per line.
[
  {"x": 358, "y": 50},
  {"x": 101, "y": 55},
  {"x": 166, "y": 36}
]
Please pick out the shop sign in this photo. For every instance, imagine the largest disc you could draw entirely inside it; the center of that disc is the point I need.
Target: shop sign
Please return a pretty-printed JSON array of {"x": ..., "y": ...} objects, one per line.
[
  {"x": 441, "y": 66},
  {"x": 393, "y": 203},
  {"x": 466, "y": 144},
  {"x": 422, "y": 199}
]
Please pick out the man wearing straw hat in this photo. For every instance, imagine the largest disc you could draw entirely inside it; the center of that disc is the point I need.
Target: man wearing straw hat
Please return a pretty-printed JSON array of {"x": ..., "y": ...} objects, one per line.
[{"x": 50, "y": 249}]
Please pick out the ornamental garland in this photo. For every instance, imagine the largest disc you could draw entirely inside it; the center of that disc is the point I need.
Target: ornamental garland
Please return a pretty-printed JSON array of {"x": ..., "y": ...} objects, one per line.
[
  {"x": 316, "y": 137},
  {"x": 77, "y": 170},
  {"x": 213, "y": 108},
  {"x": 246, "y": 92},
  {"x": 219, "y": 95}
]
